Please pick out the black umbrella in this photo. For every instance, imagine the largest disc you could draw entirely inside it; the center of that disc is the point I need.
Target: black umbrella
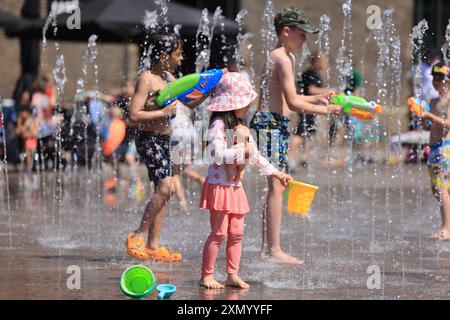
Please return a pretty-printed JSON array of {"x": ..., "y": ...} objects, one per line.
[
  {"x": 30, "y": 53},
  {"x": 117, "y": 20},
  {"x": 8, "y": 20}
]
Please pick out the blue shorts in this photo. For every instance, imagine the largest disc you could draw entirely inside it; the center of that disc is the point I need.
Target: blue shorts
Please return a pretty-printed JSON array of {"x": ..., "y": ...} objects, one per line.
[
  {"x": 275, "y": 128},
  {"x": 439, "y": 164}
]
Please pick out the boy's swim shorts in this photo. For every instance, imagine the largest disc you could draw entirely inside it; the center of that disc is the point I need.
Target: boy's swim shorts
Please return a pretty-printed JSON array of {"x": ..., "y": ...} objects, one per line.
[
  {"x": 273, "y": 129},
  {"x": 439, "y": 164}
]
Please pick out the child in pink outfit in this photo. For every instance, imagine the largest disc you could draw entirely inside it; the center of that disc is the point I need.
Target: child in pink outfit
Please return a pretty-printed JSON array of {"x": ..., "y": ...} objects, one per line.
[{"x": 226, "y": 199}]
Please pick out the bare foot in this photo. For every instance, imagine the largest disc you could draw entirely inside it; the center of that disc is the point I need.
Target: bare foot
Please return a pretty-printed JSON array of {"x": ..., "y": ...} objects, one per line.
[
  {"x": 281, "y": 257},
  {"x": 442, "y": 235},
  {"x": 234, "y": 280},
  {"x": 183, "y": 207},
  {"x": 210, "y": 283},
  {"x": 263, "y": 254}
]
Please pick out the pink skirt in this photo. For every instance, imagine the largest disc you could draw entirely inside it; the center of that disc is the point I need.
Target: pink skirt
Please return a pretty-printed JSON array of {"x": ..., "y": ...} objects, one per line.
[{"x": 228, "y": 199}]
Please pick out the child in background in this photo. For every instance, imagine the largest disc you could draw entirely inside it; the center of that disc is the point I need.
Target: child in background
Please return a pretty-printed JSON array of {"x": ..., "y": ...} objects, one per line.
[
  {"x": 225, "y": 199},
  {"x": 310, "y": 84},
  {"x": 28, "y": 129},
  {"x": 439, "y": 158},
  {"x": 113, "y": 131}
]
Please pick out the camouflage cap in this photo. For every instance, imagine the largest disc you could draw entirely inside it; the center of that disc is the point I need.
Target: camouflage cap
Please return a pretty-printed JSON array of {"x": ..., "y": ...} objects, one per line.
[{"x": 293, "y": 17}]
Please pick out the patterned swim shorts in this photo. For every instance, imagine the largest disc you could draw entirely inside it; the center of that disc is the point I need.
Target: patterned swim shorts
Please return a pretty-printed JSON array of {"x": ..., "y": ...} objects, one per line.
[
  {"x": 439, "y": 164},
  {"x": 273, "y": 127},
  {"x": 154, "y": 150}
]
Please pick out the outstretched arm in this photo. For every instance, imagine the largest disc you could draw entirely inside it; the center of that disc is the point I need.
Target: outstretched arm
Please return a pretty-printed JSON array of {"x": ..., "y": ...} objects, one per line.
[
  {"x": 443, "y": 122},
  {"x": 299, "y": 103}
]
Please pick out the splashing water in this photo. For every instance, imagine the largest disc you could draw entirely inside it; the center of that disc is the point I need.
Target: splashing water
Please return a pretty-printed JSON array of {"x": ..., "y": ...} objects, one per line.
[
  {"x": 176, "y": 29},
  {"x": 344, "y": 61},
  {"x": 59, "y": 74},
  {"x": 202, "y": 41},
  {"x": 6, "y": 175},
  {"x": 150, "y": 20},
  {"x": 248, "y": 37},
  {"x": 269, "y": 37},
  {"x": 240, "y": 38},
  {"x": 204, "y": 38},
  {"x": 164, "y": 10},
  {"x": 446, "y": 46},
  {"x": 305, "y": 55},
  {"x": 323, "y": 41},
  {"x": 416, "y": 42}
]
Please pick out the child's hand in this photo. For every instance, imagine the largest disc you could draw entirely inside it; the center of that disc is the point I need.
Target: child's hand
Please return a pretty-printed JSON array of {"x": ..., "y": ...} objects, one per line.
[
  {"x": 425, "y": 115},
  {"x": 335, "y": 109},
  {"x": 323, "y": 99},
  {"x": 332, "y": 92},
  {"x": 284, "y": 178},
  {"x": 170, "y": 109}
]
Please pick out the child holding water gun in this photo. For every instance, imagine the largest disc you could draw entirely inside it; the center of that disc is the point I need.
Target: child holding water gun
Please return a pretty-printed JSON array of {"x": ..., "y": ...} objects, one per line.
[
  {"x": 439, "y": 157},
  {"x": 153, "y": 143},
  {"x": 226, "y": 199},
  {"x": 272, "y": 119}
]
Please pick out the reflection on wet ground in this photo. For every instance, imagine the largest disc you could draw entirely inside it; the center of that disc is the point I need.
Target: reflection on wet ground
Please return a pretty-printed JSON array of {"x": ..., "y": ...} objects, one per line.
[{"x": 367, "y": 219}]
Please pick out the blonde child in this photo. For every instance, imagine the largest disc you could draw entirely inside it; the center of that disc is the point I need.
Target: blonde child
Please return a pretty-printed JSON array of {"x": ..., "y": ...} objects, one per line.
[{"x": 28, "y": 129}]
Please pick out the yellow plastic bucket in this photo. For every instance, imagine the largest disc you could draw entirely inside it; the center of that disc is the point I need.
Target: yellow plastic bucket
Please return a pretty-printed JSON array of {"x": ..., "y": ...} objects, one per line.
[{"x": 299, "y": 197}]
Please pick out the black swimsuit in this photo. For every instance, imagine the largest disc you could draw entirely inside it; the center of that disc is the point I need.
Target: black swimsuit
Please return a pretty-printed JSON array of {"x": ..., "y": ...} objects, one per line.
[{"x": 154, "y": 150}]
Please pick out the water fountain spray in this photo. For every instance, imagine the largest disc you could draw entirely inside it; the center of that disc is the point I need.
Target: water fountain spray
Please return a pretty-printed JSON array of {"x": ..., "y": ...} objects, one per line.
[{"x": 417, "y": 42}]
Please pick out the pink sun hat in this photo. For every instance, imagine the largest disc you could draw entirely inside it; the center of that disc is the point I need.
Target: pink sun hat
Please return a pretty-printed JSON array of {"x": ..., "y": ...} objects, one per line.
[{"x": 233, "y": 92}]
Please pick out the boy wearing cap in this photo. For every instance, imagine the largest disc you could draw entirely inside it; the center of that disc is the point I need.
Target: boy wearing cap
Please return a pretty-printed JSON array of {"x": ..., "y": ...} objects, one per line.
[
  {"x": 439, "y": 158},
  {"x": 291, "y": 26}
]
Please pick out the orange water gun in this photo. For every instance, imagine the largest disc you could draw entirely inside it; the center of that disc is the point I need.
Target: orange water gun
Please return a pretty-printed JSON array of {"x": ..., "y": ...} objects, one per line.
[{"x": 418, "y": 107}]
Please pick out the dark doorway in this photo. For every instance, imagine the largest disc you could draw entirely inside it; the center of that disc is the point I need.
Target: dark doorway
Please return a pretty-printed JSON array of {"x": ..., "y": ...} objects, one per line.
[{"x": 230, "y": 7}]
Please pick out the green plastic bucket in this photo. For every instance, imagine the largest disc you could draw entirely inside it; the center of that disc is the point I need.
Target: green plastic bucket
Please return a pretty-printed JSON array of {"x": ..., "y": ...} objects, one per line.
[{"x": 138, "y": 281}]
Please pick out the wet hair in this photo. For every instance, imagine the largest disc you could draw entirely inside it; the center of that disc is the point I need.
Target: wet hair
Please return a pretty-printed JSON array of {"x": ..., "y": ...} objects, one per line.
[
  {"x": 25, "y": 108},
  {"x": 161, "y": 42},
  {"x": 228, "y": 117}
]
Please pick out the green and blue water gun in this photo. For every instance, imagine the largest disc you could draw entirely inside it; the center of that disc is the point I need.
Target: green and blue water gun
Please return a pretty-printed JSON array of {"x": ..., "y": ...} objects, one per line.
[{"x": 190, "y": 87}]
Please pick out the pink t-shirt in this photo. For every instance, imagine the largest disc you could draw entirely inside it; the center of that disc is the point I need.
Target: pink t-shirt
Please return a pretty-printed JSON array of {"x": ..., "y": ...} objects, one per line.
[{"x": 218, "y": 155}]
